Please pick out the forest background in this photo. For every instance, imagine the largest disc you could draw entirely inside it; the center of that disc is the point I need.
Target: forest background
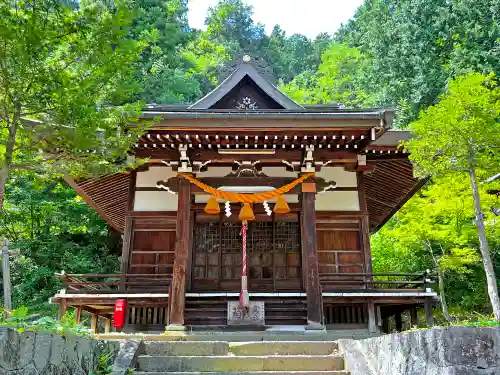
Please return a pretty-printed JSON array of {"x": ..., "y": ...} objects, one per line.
[{"x": 392, "y": 53}]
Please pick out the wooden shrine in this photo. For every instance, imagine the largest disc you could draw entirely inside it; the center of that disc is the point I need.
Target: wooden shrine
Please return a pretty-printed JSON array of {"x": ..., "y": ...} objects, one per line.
[{"x": 309, "y": 264}]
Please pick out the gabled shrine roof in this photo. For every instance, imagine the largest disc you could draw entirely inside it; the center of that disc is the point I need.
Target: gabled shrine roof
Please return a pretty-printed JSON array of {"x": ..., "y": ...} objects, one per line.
[{"x": 246, "y": 71}]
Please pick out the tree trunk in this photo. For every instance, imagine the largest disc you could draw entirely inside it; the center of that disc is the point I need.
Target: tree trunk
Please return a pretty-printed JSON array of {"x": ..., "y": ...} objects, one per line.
[
  {"x": 483, "y": 245},
  {"x": 442, "y": 296},
  {"x": 8, "y": 155}
]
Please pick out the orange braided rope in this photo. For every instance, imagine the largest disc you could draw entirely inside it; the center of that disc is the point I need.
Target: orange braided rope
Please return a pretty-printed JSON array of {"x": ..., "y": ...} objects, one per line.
[{"x": 246, "y": 198}]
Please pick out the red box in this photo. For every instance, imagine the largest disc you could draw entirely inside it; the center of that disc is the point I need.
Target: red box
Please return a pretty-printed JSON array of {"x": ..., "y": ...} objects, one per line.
[{"x": 120, "y": 313}]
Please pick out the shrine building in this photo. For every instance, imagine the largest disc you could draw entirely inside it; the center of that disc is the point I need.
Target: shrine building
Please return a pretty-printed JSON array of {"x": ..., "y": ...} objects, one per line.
[{"x": 254, "y": 210}]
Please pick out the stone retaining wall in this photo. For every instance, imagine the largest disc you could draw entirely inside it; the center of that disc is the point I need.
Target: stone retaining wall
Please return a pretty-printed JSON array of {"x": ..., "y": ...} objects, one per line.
[
  {"x": 33, "y": 353},
  {"x": 446, "y": 351}
]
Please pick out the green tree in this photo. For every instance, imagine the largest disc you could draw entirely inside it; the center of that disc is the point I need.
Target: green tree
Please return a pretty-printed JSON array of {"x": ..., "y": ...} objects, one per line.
[
  {"x": 460, "y": 134},
  {"x": 337, "y": 80},
  {"x": 53, "y": 230},
  {"x": 475, "y": 36},
  {"x": 230, "y": 24},
  {"x": 205, "y": 59},
  {"x": 162, "y": 71},
  {"x": 408, "y": 45},
  {"x": 60, "y": 69},
  {"x": 435, "y": 230}
]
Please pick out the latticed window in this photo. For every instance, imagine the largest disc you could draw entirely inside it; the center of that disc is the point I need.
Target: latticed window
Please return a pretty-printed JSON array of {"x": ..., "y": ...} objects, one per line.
[{"x": 273, "y": 254}]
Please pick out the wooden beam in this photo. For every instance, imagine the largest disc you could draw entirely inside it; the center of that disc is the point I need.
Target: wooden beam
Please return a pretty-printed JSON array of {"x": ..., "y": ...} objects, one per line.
[
  {"x": 107, "y": 326},
  {"x": 323, "y": 155},
  {"x": 94, "y": 324},
  {"x": 183, "y": 239},
  {"x": 372, "y": 317},
  {"x": 63, "y": 307},
  {"x": 365, "y": 225},
  {"x": 131, "y": 191},
  {"x": 78, "y": 314},
  {"x": 310, "y": 258},
  {"x": 126, "y": 249}
]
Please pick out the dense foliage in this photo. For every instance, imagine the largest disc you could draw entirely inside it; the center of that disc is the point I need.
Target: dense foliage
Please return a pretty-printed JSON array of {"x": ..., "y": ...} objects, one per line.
[
  {"x": 52, "y": 230},
  {"x": 395, "y": 53}
]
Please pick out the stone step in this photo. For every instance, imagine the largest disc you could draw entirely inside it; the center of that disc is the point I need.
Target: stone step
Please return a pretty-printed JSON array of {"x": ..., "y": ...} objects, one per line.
[
  {"x": 247, "y": 373},
  {"x": 186, "y": 348},
  {"x": 241, "y": 336},
  {"x": 260, "y": 348},
  {"x": 240, "y": 363},
  {"x": 256, "y": 348}
]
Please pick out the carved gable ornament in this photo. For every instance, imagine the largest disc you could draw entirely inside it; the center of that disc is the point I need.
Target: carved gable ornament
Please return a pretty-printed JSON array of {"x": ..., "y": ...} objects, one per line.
[{"x": 246, "y": 88}]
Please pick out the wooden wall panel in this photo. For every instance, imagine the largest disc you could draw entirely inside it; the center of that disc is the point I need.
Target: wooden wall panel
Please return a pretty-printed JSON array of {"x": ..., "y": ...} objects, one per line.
[
  {"x": 153, "y": 245},
  {"x": 339, "y": 251}
]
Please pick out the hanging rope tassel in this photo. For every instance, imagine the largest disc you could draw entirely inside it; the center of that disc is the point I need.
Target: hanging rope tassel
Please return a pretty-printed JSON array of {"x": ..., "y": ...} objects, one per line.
[{"x": 244, "y": 297}]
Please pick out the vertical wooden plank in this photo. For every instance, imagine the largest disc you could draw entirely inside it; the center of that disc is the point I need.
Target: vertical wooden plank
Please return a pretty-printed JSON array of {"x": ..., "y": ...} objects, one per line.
[
  {"x": 126, "y": 249},
  {"x": 365, "y": 225},
  {"x": 155, "y": 315},
  {"x": 413, "y": 317},
  {"x": 78, "y": 315},
  {"x": 7, "y": 286},
  {"x": 132, "y": 313},
  {"x": 182, "y": 241},
  {"x": 192, "y": 244},
  {"x": 131, "y": 191},
  {"x": 428, "y": 312},
  {"x": 128, "y": 230},
  {"x": 310, "y": 257},
  {"x": 107, "y": 326},
  {"x": 94, "y": 323},
  {"x": 372, "y": 318},
  {"x": 274, "y": 250}
]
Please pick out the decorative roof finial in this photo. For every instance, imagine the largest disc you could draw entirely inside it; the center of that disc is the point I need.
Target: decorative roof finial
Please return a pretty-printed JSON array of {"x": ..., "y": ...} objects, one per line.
[{"x": 247, "y": 58}]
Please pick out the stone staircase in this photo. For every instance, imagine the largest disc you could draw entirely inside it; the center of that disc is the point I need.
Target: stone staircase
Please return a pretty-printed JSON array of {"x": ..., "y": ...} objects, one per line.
[{"x": 240, "y": 358}]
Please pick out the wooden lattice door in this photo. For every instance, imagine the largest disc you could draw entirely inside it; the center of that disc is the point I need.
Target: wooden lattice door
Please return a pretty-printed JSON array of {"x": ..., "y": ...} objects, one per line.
[{"x": 273, "y": 247}]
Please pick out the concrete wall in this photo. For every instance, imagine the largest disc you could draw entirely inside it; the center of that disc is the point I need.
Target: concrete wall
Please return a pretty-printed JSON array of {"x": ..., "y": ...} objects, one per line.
[
  {"x": 446, "y": 351},
  {"x": 30, "y": 353}
]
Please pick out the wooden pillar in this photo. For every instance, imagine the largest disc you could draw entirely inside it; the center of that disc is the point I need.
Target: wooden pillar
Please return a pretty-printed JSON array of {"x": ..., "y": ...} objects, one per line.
[
  {"x": 413, "y": 317},
  {"x": 310, "y": 254},
  {"x": 63, "y": 307},
  {"x": 365, "y": 226},
  {"x": 78, "y": 315},
  {"x": 372, "y": 318},
  {"x": 128, "y": 231},
  {"x": 94, "y": 323},
  {"x": 428, "y": 312},
  {"x": 182, "y": 241},
  {"x": 127, "y": 245},
  {"x": 107, "y": 326},
  {"x": 398, "y": 320}
]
